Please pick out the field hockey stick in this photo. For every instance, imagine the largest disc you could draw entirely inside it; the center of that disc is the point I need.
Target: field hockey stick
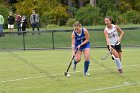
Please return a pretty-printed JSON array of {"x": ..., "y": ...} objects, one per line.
[
  {"x": 108, "y": 53},
  {"x": 65, "y": 73}
]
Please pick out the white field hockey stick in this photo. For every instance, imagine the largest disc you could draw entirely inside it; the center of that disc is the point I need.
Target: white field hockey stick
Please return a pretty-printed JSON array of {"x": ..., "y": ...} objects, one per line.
[{"x": 108, "y": 53}]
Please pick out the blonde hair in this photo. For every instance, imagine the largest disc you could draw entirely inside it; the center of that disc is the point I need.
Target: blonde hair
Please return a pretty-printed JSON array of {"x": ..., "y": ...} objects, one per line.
[{"x": 77, "y": 24}]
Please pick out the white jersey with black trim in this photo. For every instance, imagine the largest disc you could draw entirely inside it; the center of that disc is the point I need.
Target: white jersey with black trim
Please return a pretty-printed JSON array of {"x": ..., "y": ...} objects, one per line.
[{"x": 112, "y": 34}]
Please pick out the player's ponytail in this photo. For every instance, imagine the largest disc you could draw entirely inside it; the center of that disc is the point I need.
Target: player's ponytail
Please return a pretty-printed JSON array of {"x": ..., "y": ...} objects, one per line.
[{"x": 113, "y": 22}]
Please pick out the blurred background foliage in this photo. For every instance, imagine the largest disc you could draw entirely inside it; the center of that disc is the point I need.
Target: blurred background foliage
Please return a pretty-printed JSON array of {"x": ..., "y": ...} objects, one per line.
[{"x": 65, "y": 12}]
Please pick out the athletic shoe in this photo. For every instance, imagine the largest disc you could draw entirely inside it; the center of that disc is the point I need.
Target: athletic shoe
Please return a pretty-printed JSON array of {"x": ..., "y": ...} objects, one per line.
[
  {"x": 120, "y": 70},
  {"x": 74, "y": 67},
  {"x": 86, "y": 74}
]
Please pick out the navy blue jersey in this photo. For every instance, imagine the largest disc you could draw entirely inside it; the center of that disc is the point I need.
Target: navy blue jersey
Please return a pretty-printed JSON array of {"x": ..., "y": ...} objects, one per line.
[{"x": 79, "y": 39}]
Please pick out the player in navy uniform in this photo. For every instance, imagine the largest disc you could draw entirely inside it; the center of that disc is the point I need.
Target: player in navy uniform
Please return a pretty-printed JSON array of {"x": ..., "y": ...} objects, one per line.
[
  {"x": 80, "y": 39},
  {"x": 113, "y": 41}
]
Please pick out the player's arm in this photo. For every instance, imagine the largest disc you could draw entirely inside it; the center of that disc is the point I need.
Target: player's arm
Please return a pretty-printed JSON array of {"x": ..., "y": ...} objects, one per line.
[
  {"x": 121, "y": 33},
  {"x": 73, "y": 43},
  {"x": 87, "y": 37},
  {"x": 107, "y": 38}
]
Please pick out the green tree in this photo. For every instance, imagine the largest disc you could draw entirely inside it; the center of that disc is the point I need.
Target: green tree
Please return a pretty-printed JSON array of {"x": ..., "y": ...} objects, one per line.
[
  {"x": 133, "y": 16},
  {"x": 126, "y": 5},
  {"x": 88, "y": 15},
  {"x": 117, "y": 17},
  {"x": 106, "y": 5},
  {"x": 56, "y": 14},
  {"x": 47, "y": 9},
  {"x": 26, "y": 6},
  {"x": 4, "y": 11}
]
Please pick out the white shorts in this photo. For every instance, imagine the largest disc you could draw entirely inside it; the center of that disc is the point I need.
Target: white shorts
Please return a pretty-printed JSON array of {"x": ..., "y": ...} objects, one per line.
[{"x": 10, "y": 26}]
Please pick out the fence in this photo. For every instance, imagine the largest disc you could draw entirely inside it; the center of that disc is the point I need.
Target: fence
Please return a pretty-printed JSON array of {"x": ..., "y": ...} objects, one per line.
[{"x": 57, "y": 39}]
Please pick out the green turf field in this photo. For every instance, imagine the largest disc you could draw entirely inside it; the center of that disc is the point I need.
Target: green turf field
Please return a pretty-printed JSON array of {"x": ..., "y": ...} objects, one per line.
[{"x": 40, "y": 71}]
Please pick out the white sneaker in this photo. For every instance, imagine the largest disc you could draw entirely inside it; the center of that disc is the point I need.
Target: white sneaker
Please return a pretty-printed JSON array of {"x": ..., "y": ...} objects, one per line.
[{"x": 86, "y": 74}]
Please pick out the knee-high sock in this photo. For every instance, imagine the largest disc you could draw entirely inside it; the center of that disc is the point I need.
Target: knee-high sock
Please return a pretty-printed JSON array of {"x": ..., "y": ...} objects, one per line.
[
  {"x": 118, "y": 63},
  {"x": 86, "y": 65},
  {"x": 75, "y": 62}
]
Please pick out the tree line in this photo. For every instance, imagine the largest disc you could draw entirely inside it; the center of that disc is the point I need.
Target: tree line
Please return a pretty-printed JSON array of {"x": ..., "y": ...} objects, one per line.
[{"x": 65, "y": 12}]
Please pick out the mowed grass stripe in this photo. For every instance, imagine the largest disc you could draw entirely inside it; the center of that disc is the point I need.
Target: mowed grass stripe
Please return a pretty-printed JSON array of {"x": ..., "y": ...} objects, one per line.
[{"x": 59, "y": 83}]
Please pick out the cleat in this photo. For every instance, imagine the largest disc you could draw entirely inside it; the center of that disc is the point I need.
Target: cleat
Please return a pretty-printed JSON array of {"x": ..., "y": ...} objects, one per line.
[
  {"x": 120, "y": 71},
  {"x": 86, "y": 74}
]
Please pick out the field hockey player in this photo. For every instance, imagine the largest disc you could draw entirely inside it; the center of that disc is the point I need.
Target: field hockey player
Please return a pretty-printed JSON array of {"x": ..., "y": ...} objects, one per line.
[
  {"x": 80, "y": 40},
  {"x": 112, "y": 37}
]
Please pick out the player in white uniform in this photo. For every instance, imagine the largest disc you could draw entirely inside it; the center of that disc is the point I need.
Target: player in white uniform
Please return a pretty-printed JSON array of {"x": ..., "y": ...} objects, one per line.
[{"x": 113, "y": 41}]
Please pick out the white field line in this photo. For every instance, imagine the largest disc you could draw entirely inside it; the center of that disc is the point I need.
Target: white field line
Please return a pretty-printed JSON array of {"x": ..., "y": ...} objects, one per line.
[
  {"x": 19, "y": 79},
  {"x": 35, "y": 77},
  {"x": 107, "y": 88}
]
